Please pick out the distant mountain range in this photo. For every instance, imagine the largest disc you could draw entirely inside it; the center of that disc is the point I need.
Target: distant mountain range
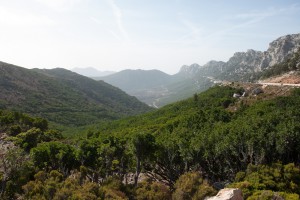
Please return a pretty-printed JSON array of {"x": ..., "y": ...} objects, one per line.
[
  {"x": 50, "y": 93},
  {"x": 63, "y": 97},
  {"x": 91, "y": 72},
  {"x": 157, "y": 88}
]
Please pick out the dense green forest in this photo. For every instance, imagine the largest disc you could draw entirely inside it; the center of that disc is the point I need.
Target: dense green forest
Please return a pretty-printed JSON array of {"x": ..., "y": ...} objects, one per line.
[{"x": 186, "y": 150}]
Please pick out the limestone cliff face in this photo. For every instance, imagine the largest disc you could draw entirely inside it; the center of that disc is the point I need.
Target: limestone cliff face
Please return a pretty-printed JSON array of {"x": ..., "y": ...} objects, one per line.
[
  {"x": 251, "y": 61},
  {"x": 189, "y": 71},
  {"x": 281, "y": 48}
]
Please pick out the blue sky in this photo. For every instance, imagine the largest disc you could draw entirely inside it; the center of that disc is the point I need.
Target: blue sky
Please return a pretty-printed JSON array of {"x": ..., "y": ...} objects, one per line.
[{"x": 147, "y": 34}]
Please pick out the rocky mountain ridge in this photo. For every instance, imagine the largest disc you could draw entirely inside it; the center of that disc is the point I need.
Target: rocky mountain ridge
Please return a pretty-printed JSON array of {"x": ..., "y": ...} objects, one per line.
[{"x": 242, "y": 64}]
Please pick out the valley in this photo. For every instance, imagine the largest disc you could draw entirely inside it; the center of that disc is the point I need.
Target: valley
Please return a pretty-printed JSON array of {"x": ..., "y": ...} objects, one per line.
[
  {"x": 159, "y": 89},
  {"x": 231, "y": 124}
]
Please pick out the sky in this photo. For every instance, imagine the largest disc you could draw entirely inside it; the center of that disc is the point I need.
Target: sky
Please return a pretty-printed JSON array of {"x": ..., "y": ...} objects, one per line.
[{"x": 112, "y": 35}]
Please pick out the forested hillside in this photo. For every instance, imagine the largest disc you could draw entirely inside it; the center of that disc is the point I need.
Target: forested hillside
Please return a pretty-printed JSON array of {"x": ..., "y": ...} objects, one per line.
[
  {"x": 64, "y": 97},
  {"x": 186, "y": 150}
]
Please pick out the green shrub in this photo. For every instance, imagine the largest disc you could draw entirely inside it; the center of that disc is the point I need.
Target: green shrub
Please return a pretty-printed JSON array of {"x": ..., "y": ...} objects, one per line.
[
  {"x": 191, "y": 186},
  {"x": 149, "y": 190}
]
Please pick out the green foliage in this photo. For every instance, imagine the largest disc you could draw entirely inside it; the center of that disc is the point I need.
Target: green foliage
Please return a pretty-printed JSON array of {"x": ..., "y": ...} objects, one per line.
[
  {"x": 29, "y": 139},
  {"x": 143, "y": 144},
  {"x": 168, "y": 145},
  {"x": 203, "y": 133},
  {"x": 16, "y": 170},
  {"x": 14, "y": 122},
  {"x": 270, "y": 195},
  {"x": 112, "y": 189},
  {"x": 104, "y": 156},
  {"x": 55, "y": 156},
  {"x": 149, "y": 190},
  {"x": 53, "y": 186},
  {"x": 192, "y": 186},
  {"x": 15, "y": 130},
  {"x": 40, "y": 123},
  {"x": 259, "y": 181}
]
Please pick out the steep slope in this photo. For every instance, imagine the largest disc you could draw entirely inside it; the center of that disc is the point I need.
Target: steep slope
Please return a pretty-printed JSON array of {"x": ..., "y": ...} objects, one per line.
[{"x": 63, "y": 97}]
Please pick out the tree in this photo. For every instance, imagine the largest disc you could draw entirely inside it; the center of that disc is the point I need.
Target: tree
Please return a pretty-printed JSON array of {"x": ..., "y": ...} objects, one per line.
[
  {"x": 30, "y": 138},
  {"x": 143, "y": 146},
  {"x": 54, "y": 155},
  {"x": 192, "y": 186},
  {"x": 16, "y": 172}
]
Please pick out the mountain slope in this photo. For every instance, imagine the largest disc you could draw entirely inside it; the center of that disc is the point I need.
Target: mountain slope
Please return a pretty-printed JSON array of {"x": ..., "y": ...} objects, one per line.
[
  {"x": 157, "y": 88},
  {"x": 134, "y": 80},
  {"x": 146, "y": 85},
  {"x": 63, "y": 97}
]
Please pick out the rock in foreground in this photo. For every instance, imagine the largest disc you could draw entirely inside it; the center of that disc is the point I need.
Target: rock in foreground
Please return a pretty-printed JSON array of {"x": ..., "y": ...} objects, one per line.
[{"x": 228, "y": 194}]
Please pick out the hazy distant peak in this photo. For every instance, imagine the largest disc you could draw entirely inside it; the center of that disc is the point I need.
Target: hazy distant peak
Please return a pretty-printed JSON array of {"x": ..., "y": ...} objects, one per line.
[
  {"x": 137, "y": 79},
  {"x": 189, "y": 69},
  {"x": 91, "y": 72}
]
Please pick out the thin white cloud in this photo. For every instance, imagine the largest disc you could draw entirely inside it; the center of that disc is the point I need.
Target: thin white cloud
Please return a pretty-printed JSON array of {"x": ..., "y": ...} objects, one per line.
[
  {"x": 194, "y": 30},
  {"x": 257, "y": 16},
  {"x": 117, "y": 12},
  {"x": 97, "y": 21},
  {"x": 235, "y": 22}
]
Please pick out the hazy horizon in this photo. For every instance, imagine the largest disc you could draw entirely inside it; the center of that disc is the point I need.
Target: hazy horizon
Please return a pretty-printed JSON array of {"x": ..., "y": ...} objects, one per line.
[{"x": 113, "y": 35}]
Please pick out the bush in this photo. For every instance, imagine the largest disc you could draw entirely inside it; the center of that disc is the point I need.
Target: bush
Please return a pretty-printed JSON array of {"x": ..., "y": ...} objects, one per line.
[
  {"x": 149, "y": 190},
  {"x": 191, "y": 186}
]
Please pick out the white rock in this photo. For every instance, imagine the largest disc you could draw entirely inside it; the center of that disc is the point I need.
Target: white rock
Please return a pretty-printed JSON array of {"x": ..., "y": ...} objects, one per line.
[{"x": 228, "y": 194}]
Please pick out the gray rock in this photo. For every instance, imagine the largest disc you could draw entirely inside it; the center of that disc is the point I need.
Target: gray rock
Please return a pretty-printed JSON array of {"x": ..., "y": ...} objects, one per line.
[
  {"x": 228, "y": 194},
  {"x": 257, "y": 91}
]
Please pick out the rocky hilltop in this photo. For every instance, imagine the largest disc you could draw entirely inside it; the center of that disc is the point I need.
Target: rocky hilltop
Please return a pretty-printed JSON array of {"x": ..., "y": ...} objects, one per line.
[{"x": 242, "y": 65}]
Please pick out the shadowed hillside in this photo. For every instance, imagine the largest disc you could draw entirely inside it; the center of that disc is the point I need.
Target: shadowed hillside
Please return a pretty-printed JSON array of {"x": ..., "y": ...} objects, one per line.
[{"x": 64, "y": 97}]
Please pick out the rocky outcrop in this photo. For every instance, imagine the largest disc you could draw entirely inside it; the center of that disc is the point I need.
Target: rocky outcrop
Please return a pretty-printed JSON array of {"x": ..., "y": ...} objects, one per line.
[
  {"x": 228, "y": 194},
  {"x": 251, "y": 61},
  {"x": 282, "y": 47},
  {"x": 256, "y": 61},
  {"x": 189, "y": 71}
]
